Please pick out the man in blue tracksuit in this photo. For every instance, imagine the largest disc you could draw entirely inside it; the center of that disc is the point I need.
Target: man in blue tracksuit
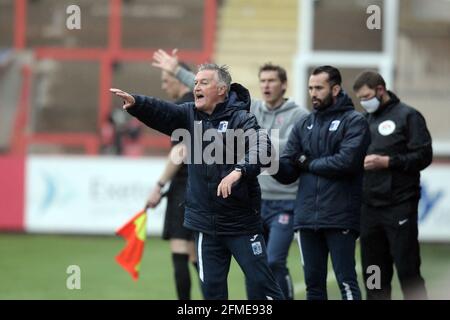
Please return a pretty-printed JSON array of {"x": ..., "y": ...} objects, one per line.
[
  {"x": 223, "y": 195},
  {"x": 326, "y": 150}
]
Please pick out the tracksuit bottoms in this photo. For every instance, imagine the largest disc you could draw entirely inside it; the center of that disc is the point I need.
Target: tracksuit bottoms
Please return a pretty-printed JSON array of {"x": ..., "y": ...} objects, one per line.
[
  {"x": 314, "y": 248},
  {"x": 214, "y": 256}
]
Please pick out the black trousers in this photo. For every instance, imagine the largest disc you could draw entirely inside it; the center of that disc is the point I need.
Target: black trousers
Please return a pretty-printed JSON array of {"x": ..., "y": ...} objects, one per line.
[
  {"x": 214, "y": 256},
  {"x": 315, "y": 246},
  {"x": 388, "y": 238}
]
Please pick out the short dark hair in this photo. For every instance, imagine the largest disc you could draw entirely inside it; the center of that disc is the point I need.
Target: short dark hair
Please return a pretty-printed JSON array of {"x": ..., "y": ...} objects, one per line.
[
  {"x": 334, "y": 76},
  {"x": 370, "y": 79},
  {"x": 282, "y": 75}
]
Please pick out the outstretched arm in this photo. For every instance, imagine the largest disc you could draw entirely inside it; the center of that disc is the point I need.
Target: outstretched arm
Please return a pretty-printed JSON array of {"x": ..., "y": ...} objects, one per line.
[{"x": 157, "y": 114}]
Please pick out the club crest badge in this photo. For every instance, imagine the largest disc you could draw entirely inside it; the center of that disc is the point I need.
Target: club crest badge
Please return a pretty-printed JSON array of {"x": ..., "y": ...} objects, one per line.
[
  {"x": 283, "y": 218},
  {"x": 257, "y": 248},
  {"x": 223, "y": 125},
  {"x": 334, "y": 125}
]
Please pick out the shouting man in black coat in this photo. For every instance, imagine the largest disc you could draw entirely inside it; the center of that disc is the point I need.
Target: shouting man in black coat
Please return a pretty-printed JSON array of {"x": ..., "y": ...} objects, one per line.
[{"x": 223, "y": 195}]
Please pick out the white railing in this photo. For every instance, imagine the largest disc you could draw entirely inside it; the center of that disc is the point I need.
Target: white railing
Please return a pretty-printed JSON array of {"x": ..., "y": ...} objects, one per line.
[{"x": 307, "y": 57}]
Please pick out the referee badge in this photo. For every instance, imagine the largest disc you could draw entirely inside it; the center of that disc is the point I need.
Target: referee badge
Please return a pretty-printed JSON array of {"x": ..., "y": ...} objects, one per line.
[{"x": 386, "y": 127}]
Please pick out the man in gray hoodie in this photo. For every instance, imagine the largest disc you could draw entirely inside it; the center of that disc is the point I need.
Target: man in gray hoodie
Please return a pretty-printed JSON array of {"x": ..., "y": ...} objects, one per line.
[{"x": 278, "y": 115}]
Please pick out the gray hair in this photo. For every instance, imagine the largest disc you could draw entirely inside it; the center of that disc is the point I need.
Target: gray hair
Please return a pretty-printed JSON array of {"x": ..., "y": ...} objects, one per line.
[{"x": 223, "y": 75}]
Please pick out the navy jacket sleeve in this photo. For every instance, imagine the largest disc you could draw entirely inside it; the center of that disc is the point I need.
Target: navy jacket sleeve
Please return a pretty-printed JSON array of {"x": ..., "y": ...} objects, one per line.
[
  {"x": 258, "y": 147},
  {"x": 160, "y": 115},
  {"x": 288, "y": 172},
  {"x": 350, "y": 157},
  {"x": 420, "y": 152}
]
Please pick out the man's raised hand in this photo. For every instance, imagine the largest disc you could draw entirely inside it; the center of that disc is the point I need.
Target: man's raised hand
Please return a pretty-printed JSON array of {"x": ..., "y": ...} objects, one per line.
[
  {"x": 128, "y": 100},
  {"x": 166, "y": 62}
]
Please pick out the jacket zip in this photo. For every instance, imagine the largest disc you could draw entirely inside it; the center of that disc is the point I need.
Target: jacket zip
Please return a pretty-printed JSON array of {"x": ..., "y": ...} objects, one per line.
[
  {"x": 317, "y": 184},
  {"x": 210, "y": 198}
]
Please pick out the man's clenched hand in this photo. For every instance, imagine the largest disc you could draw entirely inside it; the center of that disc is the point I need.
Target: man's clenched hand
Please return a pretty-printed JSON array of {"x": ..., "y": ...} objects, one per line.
[{"x": 376, "y": 162}]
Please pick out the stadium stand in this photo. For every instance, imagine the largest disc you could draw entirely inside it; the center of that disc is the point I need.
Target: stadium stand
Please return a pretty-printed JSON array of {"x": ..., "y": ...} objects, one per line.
[{"x": 66, "y": 102}]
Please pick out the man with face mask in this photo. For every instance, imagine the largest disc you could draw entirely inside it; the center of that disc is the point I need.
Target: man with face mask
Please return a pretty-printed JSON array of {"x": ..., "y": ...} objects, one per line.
[
  {"x": 326, "y": 149},
  {"x": 400, "y": 149}
]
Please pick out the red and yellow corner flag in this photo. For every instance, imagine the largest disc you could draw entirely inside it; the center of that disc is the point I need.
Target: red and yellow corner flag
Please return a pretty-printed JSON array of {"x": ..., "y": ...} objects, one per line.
[{"x": 134, "y": 232}]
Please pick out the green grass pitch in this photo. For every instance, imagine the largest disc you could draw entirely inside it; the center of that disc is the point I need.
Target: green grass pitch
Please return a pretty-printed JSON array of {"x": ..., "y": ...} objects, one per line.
[{"x": 34, "y": 267}]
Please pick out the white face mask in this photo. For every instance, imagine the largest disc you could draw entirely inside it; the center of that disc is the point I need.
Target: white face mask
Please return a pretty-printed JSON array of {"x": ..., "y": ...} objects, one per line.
[{"x": 371, "y": 105}]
